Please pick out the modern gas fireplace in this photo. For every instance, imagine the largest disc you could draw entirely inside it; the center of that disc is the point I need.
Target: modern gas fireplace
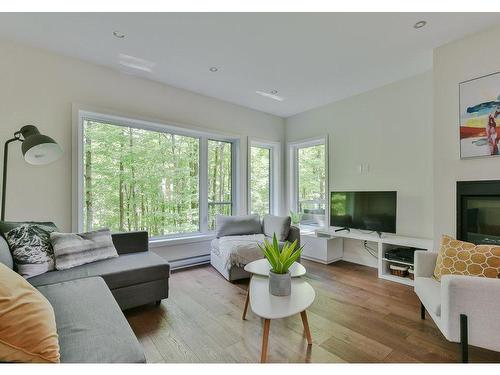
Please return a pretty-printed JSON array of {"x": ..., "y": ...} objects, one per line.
[{"x": 478, "y": 211}]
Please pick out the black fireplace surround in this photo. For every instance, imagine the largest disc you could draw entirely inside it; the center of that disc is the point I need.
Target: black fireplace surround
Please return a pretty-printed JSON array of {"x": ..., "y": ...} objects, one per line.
[{"x": 478, "y": 211}]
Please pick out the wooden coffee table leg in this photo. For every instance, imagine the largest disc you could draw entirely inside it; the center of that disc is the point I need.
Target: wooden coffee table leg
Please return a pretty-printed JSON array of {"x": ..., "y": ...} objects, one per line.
[
  {"x": 265, "y": 340},
  {"x": 303, "y": 315},
  {"x": 246, "y": 305}
]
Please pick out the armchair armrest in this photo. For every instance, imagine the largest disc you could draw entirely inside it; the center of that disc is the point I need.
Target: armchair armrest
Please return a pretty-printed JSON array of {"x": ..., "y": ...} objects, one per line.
[
  {"x": 476, "y": 297},
  {"x": 294, "y": 234},
  {"x": 425, "y": 262},
  {"x": 131, "y": 242}
]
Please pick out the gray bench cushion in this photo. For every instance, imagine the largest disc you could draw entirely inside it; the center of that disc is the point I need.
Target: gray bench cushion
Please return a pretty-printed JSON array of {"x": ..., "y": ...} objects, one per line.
[
  {"x": 124, "y": 271},
  {"x": 279, "y": 225},
  {"x": 90, "y": 324},
  {"x": 237, "y": 225}
]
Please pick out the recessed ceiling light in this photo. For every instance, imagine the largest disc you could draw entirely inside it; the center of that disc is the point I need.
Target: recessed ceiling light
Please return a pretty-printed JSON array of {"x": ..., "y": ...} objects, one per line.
[
  {"x": 213, "y": 69},
  {"x": 419, "y": 24},
  {"x": 271, "y": 95},
  {"x": 119, "y": 34}
]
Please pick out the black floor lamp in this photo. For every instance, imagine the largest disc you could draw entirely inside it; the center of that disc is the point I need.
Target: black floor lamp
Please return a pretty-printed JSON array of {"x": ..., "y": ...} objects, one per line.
[{"x": 37, "y": 149}]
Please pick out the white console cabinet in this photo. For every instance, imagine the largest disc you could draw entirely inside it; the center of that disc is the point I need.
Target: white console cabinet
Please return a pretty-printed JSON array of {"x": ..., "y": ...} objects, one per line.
[
  {"x": 321, "y": 249},
  {"x": 326, "y": 246}
]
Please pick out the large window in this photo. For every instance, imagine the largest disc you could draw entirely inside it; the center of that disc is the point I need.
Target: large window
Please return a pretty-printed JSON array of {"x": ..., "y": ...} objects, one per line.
[
  {"x": 309, "y": 181},
  {"x": 143, "y": 176},
  {"x": 263, "y": 177}
]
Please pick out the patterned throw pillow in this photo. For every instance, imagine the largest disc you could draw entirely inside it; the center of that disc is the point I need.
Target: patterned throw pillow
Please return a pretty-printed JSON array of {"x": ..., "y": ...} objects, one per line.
[
  {"x": 75, "y": 249},
  {"x": 463, "y": 258},
  {"x": 29, "y": 243}
]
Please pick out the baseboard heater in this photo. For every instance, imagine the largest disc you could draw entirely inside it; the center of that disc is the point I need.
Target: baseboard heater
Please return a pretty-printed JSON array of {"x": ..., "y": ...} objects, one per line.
[{"x": 189, "y": 262}]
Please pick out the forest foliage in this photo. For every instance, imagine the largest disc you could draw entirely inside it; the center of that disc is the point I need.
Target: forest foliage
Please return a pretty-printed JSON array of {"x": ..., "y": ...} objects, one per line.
[
  {"x": 312, "y": 183},
  {"x": 260, "y": 180}
]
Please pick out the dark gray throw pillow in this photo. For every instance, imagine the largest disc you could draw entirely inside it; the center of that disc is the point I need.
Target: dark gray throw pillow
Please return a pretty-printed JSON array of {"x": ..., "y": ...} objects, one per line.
[
  {"x": 276, "y": 224},
  {"x": 75, "y": 249},
  {"x": 29, "y": 243},
  {"x": 237, "y": 225}
]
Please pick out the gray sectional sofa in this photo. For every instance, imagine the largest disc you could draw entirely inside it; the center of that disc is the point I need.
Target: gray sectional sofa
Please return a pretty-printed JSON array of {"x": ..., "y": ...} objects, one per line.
[{"x": 88, "y": 300}]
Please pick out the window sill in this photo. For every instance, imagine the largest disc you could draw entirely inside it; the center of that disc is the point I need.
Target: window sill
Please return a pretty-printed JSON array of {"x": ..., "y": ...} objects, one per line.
[{"x": 162, "y": 242}]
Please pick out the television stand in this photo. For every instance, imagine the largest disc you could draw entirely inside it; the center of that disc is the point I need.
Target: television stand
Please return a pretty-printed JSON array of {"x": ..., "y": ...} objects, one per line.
[{"x": 326, "y": 245}]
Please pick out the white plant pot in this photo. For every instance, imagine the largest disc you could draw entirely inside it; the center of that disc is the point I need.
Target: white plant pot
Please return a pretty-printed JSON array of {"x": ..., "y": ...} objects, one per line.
[{"x": 280, "y": 284}]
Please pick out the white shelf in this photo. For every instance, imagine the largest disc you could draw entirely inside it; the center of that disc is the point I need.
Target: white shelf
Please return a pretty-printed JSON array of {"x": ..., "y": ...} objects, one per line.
[
  {"x": 389, "y": 239},
  {"x": 384, "y": 243},
  {"x": 398, "y": 262}
]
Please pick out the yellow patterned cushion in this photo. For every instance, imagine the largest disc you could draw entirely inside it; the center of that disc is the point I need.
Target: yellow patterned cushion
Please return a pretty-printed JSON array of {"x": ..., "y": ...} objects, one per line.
[{"x": 463, "y": 258}]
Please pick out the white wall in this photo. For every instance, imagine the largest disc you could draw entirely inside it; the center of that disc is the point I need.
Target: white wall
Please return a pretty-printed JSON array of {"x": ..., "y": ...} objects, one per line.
[
  {"x": 39, "y": 87},
  {"x": 390, "y": 128},
  {"x": 455, "y": 62}
]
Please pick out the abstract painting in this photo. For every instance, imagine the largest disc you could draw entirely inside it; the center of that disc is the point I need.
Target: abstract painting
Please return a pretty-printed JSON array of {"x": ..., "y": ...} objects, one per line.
[{"x": 479, "y": 116}]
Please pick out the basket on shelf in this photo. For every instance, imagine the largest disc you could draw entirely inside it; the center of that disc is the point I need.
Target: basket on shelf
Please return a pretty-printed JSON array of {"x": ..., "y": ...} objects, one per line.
[
  {"x": 411, "y": 273},
  {"x": 397, "y": 270}
]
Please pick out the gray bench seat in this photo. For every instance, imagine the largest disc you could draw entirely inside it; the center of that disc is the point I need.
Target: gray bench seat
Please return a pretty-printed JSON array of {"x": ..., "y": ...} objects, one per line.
[{"x": 91, "y": 329}]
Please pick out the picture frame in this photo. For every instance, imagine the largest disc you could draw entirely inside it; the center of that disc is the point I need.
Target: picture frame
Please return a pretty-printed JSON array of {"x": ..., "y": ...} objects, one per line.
[{"x": 479, "y": 116}]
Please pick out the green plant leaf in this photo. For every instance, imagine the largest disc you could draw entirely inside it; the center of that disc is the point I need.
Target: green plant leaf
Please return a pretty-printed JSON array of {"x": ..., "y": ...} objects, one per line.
[
  {"x": 288, "y": 263},
  {"x": 286, "y": 252},
  {"x": 267, "y": 249}
]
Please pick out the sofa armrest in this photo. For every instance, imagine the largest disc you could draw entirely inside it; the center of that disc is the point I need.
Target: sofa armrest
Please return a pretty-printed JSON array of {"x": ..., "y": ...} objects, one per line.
[
  {"x": 131, "y": 242},
  {"x": 294, "y": 234},
  {"x": 476, "y": 297},
  {"x": 425, "y": 262}
]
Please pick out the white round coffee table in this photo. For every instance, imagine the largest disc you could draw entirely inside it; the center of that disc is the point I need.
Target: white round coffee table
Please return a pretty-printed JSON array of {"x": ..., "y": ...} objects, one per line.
[
  {"x": 268, "y": 307},
  {"x": 262, "y": 267}
]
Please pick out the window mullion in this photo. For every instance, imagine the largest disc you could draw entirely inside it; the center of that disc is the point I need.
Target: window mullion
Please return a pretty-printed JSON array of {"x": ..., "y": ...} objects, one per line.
[{"x": 203, "y": 197}]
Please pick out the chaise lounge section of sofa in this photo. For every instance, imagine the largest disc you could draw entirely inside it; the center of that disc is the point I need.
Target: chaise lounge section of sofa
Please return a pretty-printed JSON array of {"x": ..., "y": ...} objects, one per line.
[{"x": 247, "y": 225}]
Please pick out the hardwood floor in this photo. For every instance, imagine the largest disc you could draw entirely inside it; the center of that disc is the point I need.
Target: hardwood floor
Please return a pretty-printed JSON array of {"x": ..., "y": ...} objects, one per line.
[{"x": 356, "y": 317}]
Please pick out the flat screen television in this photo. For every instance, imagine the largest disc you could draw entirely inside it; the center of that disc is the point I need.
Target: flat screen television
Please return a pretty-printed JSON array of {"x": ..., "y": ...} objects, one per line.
[{"x": 366, "y": 210}]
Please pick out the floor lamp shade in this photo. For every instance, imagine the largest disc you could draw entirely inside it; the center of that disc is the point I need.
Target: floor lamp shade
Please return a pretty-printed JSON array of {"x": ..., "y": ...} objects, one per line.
[{"x": 38, "y": 149}]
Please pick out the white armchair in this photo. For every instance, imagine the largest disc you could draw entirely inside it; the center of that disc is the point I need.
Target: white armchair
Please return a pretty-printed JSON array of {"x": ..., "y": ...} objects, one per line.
[{"x": 465, "y": 308}]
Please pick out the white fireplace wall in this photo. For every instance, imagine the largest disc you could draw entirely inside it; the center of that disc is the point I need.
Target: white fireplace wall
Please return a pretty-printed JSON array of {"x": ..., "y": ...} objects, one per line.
[{"x": 471, "y": 57}]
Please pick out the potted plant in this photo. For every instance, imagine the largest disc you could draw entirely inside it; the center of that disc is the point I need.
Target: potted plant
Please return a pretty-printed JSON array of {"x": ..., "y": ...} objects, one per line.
[
  {"x": 296, "y": 217},
  {"x": 280, "y": 279}
]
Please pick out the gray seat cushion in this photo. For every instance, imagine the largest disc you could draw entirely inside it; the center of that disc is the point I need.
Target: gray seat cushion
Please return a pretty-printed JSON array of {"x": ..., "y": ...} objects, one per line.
[
  {"x": 124, "y": 271},
  {"x": 90, "y": 324},
  {"x": 429, "y": 291}
]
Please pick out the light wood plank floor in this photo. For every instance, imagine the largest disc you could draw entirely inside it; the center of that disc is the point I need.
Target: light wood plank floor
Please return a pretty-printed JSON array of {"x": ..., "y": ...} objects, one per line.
[{"x": 356, "y": 317}]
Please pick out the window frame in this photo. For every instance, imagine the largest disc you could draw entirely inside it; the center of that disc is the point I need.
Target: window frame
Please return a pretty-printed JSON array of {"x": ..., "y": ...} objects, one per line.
[
  {"x": 275, "y": 173},
  {"x": 80, "y": 115},
  {"x": 293, "y": 172}
]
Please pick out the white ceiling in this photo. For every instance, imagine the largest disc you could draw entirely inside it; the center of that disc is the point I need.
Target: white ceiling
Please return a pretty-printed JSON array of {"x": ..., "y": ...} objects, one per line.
[{"x": 310, "y": 58}]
